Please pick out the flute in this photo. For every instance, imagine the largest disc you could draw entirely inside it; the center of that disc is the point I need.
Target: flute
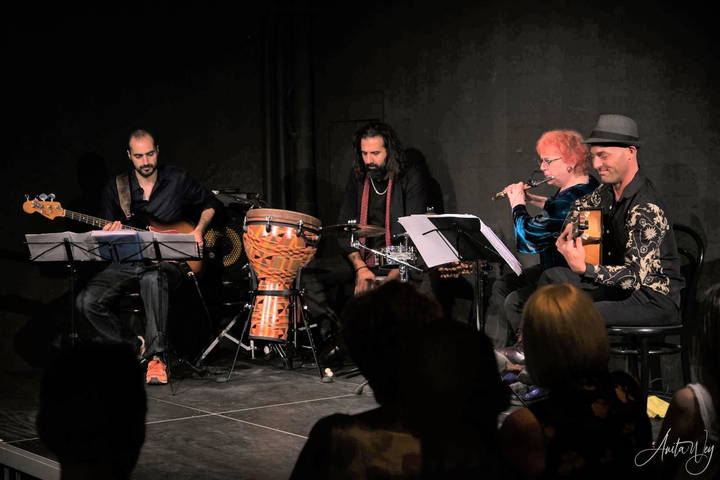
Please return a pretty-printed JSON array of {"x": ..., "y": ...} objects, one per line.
[{"x": 528, "y": 186}]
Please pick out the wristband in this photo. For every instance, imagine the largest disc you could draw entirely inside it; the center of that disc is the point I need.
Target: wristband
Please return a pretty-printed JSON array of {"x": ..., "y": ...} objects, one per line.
[{"x": 360, "y": 268}]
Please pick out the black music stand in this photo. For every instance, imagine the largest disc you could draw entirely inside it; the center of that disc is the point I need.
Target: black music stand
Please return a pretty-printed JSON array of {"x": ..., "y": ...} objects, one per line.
[
  {"x": 466, "y": 238},
  {"x": 116, "y": 246},
  {"x": 463, "y": 238},
  {"x": 67, "y": 247}
]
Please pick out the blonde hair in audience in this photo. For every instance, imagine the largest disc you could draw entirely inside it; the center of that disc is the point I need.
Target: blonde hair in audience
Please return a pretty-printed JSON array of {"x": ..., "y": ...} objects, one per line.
[{"x": 563, "y": 334}]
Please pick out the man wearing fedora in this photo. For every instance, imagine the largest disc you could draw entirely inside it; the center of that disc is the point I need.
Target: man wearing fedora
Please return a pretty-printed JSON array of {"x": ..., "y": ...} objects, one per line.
[{"x": 639, "y": 280}]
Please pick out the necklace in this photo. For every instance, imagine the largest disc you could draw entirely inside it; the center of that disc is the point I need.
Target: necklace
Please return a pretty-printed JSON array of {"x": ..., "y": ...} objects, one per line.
[{"x": 376, "y": 190}]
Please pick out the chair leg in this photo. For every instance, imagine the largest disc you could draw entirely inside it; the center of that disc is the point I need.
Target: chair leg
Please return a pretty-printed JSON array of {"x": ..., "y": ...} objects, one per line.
[
  {"x": 685, "y": 360},
  {"x": 644, "y": 367},
  {"x": 632, "y": 366}
]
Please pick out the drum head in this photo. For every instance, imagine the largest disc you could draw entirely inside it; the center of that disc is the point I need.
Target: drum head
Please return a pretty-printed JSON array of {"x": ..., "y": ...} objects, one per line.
[{"x": 276, "y": 216}]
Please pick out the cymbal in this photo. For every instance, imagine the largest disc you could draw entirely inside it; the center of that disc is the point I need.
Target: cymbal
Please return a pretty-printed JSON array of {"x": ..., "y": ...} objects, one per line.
[{"x": 357, "y": 229}]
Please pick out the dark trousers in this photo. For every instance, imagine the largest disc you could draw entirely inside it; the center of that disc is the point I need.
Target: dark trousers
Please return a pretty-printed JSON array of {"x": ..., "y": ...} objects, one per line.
[
  {"x": 508, "y": 297},
  {"x": 620, "y": 307},
  {"x": 98, "y": 301}
]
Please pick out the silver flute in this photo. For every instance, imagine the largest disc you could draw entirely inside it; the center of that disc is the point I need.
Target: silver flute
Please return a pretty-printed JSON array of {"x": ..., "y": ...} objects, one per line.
[{"x": 528, "y": 185}]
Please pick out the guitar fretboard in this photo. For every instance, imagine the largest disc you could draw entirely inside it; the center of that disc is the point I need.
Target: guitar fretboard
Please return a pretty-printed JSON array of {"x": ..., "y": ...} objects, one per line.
[{"x": 95, "y": 221}]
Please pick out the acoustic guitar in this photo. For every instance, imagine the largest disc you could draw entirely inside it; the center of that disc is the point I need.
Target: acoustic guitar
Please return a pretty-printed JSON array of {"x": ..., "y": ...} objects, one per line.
[
  {"x": 51, "y": 210},
  {"x": 587, "y": 224}
]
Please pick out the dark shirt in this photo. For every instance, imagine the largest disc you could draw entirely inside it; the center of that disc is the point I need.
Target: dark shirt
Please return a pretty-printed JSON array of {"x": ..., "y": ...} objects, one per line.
[
  {"x": 175, "y": 197},
  {"x": 594, "y": 427},
  {"x": 639, "y": 249},
  {"x": 538, "y": 234},
  {"x": 409, "y": 196},
  {"x": 373, "y": 445}
]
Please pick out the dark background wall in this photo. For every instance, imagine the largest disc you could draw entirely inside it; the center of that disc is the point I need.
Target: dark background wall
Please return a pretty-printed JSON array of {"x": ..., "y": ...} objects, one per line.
[{"x": 265, "y": 100}]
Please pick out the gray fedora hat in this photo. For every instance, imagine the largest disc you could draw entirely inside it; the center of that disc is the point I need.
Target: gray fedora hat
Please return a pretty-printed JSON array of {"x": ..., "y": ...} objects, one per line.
[{"x": 612, "y": 129}]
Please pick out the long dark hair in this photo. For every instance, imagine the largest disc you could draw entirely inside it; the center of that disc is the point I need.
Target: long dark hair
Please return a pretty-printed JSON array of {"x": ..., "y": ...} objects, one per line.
[{"x": 395, "y": 162}]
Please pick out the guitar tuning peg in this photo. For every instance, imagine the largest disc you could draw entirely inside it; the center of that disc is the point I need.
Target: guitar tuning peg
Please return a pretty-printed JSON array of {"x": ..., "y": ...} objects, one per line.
[
  {"x": 42, "y": 197},
  {"x": 51, "y": 197}
]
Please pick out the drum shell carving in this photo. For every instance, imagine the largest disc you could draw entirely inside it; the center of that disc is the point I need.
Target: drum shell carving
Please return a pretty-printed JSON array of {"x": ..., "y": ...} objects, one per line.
[{"x": 278, "y": 243}]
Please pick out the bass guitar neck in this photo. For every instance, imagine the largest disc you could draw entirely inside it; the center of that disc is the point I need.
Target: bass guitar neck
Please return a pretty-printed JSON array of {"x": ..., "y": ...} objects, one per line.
[{"x": 52, "y": 210}]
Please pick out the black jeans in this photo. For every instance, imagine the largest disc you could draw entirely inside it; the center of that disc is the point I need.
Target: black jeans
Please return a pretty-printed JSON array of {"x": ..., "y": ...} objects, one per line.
[
  {"x": 98, "y": 301},
  {"x": 620, "y": 307},
  {"x": 504, "y": 314}
]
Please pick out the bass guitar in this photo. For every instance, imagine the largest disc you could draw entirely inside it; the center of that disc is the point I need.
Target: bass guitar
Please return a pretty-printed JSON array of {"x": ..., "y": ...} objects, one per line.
[{"x": 52, "y": 210}]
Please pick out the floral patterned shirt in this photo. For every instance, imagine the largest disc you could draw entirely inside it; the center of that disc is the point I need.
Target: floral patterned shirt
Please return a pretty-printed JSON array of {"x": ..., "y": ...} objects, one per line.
[
  {"x": 593, "y": 427},
  {"x": 638, "y": 245}
]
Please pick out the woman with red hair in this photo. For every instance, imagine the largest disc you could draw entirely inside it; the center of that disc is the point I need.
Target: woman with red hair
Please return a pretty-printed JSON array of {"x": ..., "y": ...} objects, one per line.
[{"x": 562, "y": 157}]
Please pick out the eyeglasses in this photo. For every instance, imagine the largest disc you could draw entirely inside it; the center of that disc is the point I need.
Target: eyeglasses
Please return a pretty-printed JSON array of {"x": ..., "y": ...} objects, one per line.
[{"x": 547, "y": 161}]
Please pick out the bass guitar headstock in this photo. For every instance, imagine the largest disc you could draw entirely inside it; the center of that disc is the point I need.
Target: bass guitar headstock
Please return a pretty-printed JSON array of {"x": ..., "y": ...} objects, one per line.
[{"x": 45, "y": 205}]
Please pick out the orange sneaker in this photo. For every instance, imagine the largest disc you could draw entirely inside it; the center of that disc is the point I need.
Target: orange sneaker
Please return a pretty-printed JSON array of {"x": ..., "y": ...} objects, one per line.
[{"x": 156, "y": 372}]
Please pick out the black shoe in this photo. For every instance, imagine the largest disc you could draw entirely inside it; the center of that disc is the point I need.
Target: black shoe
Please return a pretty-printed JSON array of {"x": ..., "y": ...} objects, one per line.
[
  {"x": 332, "y": 357},
  {"x": 516, "y": 353}
]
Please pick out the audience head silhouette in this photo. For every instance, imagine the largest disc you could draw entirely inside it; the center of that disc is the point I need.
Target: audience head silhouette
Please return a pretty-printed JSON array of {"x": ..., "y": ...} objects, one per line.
[
  {"x": 92, "y": 411},
  {"x": 437, "y": 385},
  {"x": 375, "y": 326},
  {"x": 564, "y": 335}
]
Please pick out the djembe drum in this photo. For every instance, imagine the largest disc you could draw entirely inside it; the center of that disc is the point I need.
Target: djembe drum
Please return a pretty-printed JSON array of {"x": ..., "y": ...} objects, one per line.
[{"x": 278, "y": 243}]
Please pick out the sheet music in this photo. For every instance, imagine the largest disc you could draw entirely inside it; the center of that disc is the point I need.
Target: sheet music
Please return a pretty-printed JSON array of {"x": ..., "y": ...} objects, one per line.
[
  {"x": 172, "y": 245},
  {"x": 500, "y": 247},
  {"x": 49, "y": 247},
  {"x": 118, "y": 245},
  {"x": 431, "y": 246},
  {"x": 115, "y": 245},
  {"x": 439, "y": 251}
]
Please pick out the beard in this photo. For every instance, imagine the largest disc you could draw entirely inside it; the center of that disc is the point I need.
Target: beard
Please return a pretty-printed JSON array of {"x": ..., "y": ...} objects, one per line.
[
  {"x": 377, "y": 173},
  {"x": 146, "y": 170}
]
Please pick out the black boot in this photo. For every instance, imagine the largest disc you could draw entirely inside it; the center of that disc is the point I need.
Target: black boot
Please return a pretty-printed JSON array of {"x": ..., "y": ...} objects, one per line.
[{"x": 516, "y": 353}]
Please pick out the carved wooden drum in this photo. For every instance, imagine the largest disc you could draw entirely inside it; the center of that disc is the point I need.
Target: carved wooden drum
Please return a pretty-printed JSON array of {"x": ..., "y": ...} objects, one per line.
[{"x": 278, "y": 243}]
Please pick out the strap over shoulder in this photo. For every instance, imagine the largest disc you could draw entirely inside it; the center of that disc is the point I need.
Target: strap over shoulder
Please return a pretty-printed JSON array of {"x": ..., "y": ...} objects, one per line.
[{"x": 123, "y": 187}]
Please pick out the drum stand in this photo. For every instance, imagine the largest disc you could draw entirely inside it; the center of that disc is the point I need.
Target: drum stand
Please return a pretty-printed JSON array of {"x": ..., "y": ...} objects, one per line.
[
  {"x": 224, "y": 333},
  {"x": 284, "y": 350}
]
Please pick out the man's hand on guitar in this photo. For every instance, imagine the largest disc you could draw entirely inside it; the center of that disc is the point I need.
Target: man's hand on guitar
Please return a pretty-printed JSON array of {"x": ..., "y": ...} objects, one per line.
[
  {"x": 198, "y": 234},
  {"x": 116, "y": 225},
  {"x": 572, "y": 249}
]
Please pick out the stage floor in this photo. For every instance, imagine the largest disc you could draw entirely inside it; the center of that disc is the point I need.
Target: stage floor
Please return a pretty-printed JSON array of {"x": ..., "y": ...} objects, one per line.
[{"x": 253, "y": 426}]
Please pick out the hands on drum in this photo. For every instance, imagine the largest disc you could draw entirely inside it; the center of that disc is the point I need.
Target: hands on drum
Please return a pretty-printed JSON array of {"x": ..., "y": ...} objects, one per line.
[
  {"x": 401, "y": 256},
  {"x": 366, "y": 280}
]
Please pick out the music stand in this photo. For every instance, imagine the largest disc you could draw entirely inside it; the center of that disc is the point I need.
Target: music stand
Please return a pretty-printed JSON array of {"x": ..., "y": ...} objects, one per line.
[
  {"x": 450, "y": 238},
  {"x": 117, "y": 246},
  {"x": 68, "y": 247}
]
